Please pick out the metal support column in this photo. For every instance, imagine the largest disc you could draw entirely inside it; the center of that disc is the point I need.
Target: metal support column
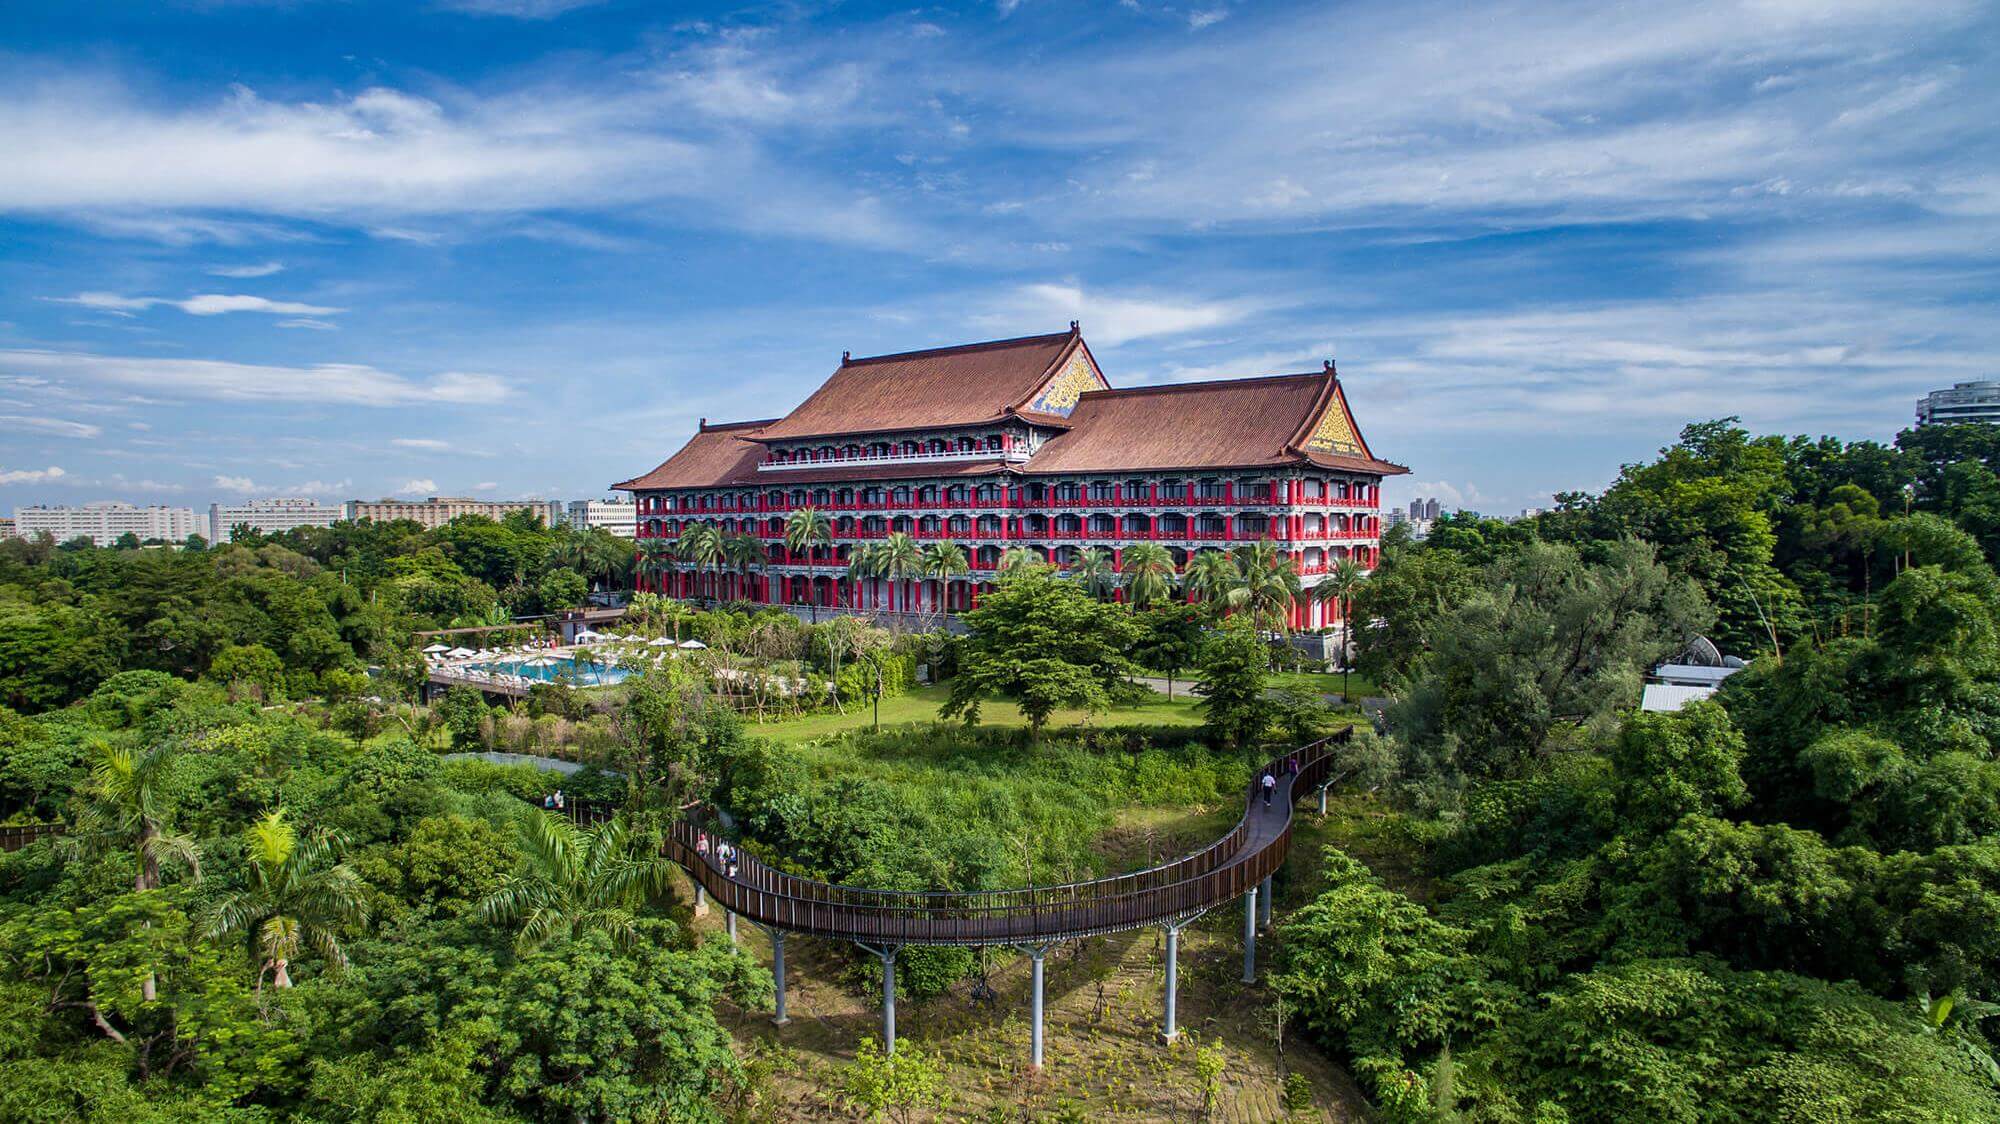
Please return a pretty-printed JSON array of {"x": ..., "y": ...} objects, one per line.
[
  {"x": 1250, "y": 935},
  {"x": 887, "y": 955},
  {"x": 729, "y": 923},
  {"x": 1322, "y": 798},
  {"x": 1172, "y": 1030},
  {"x": 1264, "y": 899},
  {"x": 778, "y": 974},
  {"x": 1035, "y": 1039},
  {"x": 700, "y": 901}
]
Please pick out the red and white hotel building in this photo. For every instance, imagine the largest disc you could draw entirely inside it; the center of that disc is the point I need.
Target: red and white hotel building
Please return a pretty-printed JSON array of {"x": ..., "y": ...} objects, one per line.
[{"x": 1021, "y": 443}]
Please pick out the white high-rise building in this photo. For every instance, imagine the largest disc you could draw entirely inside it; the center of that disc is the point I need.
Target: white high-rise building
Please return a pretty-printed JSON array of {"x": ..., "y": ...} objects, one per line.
[
  {"x": 439, "y": 510},
  {"x": 270, "y": 516},
  {"x": 107, "y": 521},
  {"x": 621, "y": 519},
  {"x": 1964, "y": 402}
]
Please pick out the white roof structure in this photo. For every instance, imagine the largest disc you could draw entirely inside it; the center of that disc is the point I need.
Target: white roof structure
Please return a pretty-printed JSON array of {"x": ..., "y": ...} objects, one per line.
[
  {"x": 1660, "y": 697},
  {"x": 436, "y": 648}
]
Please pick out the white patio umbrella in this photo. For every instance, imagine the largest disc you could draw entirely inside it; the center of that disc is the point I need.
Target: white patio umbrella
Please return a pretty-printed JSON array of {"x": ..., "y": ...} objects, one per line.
[
  {"x": 436, "y": 648},
  {"x": 587, "y": 636},
  {"x": 693, "y": 644},
  {"x": 660, "y": 642},
  {"x": 541, "y": 661},
  {"x": 460, "y": 653}
]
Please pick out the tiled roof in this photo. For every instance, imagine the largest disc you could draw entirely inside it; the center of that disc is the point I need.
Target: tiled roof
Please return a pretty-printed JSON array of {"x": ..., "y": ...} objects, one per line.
[
  {"x": 714, "y": 456},
  {"x": 948, "y": 386},
  {"x": 1225, "y": 423}
]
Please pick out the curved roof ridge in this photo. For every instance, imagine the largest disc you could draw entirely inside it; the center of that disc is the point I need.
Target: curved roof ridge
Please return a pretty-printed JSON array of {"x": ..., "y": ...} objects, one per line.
[
  {"x": 955, "y": 349},
  {"x": 1199, "y": 384}
]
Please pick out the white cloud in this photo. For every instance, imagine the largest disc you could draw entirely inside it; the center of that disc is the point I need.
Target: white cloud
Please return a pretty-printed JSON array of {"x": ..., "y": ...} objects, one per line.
[
  {"x": 417, "y": 487},
  {"x": 427, "y": 443},
  {"x": 330, "y": 383},
  {"x": 1208, "y": 17},
  {"x": 243, "y": 485},
  {"x": 31, "y": 475},
  {"x": 518, "y": 9},
  {"x": 1108, "y": 319},
  {"x": 485, "y": 486},
  {"x": 54, "y": 427},
  {"x": 262, "y": 269},
  {"x": 308, "y": 323},
  {"x": 207, "y": 304}
]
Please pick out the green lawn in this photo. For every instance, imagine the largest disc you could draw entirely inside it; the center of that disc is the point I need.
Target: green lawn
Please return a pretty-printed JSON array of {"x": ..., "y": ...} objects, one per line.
[
  {"x": 920, "y": 707},
  {"x": 1326, "y": 682}
]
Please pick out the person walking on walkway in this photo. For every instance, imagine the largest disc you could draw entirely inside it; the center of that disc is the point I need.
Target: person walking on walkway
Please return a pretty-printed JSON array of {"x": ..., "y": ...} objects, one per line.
[{"x": 1270, "y": 785}]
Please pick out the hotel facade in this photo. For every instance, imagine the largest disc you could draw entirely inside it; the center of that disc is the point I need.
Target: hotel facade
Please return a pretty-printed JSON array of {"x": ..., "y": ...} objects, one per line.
[{"x": 1020, "y": 443}]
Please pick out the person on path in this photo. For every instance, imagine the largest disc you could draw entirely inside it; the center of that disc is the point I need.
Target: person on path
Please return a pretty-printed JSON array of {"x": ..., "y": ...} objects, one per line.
[
  {"x": 1270, "y": 786},
  {"x": 559, "y": 800}
]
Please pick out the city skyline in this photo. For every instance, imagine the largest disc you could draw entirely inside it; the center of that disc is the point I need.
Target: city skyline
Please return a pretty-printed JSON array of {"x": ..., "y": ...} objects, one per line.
[{"x": 509, "y": 250}]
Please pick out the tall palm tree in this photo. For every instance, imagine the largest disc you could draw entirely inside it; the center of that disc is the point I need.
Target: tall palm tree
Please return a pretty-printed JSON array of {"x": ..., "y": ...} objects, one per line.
[
  {"x": 805, "y": 528},
  {"x": 1149, "y": 573},
  {"x": 1092, "y": 570},
  {"x": 861, "y": 564},
  {"x": 1339, "y": 586},
  {"x": 899, "y": 558},
  {"x": 298, "y": 896},
  {"x": 1268, "y": 585},
  {"x": 606, "y": 556},
  {"x": 701, "y": 545},
  {"x": 646, "y": 607},
  {"x": 743, "y": 552},
  {"x": 126, "y": 805},
  {"x": 1211, "y": 574},
  {"x": 577, "y": 880},
  {"x": 1017, "y": 558},
  {"x": 656, "y": 557},
  {"x": 943, "y": 561}
]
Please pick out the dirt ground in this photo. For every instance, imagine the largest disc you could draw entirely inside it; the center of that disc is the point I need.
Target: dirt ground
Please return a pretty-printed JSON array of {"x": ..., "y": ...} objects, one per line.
[{"x": 1104, "y": 1058}]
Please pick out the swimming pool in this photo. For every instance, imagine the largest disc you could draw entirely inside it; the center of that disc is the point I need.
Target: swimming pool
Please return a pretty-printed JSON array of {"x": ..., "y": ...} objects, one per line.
[{"x": 548, "y": 669}]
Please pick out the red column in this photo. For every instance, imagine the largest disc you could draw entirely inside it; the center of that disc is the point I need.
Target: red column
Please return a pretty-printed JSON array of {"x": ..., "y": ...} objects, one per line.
[{"x": 1229, "y": 528}]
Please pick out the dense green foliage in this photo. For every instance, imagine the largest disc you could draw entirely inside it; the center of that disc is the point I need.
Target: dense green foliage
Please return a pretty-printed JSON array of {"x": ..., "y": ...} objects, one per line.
[
  {"x": 1777, "y": 905},
  {"x": 293, "y": 615},
  {"x": 397, "y": 943}
]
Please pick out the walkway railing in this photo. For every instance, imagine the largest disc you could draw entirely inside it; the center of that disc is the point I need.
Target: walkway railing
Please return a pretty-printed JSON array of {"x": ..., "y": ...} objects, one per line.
[{"x": 1224, "y": 870}]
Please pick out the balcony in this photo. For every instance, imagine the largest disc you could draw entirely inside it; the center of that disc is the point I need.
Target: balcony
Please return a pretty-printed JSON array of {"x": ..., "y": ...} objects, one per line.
[{"x": 1010, "y": 455}]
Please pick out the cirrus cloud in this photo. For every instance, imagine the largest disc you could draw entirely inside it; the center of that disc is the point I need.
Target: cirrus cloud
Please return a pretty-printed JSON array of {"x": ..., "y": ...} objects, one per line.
[{"x": 332, "y": 383}]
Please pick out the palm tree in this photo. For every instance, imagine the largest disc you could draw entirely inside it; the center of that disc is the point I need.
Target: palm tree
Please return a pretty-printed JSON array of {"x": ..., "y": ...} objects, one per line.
[
  {"x": 1149, "y": 573},
  {"x": 1017, "y": 558},
  {"x": 656, "y": 557},
  {"x": 1211, "y": 574},
  {"x": 646, "y": 607},
  {"x": 127, "y": 806},
  {"x": 899, "y": 559},
  {"x": 743, "y": 552},
  {"x": 861, "y": 564},
  {"x": 577, "y": 880},
  {"x": 1339, "y": 586},
  {"x": 1092, "y": 570},
  {"x": 701, "y": 545},
  {"x": 606, "y": 556},
  {"x": 1268, "y": 586},
  {"x": 298, "y": 896},
  {"x": 943, "y": 561},
  {"x": 805, "y": 528}
]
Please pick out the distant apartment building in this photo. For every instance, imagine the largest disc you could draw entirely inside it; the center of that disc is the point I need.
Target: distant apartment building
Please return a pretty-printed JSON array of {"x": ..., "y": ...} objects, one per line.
[
  {"x": 269, "y": 516},
  {"x": 439, "y": 510},
  {"x": 1424, "y": 511},
  {"x": 1964, "y": 402},
  {"x": 621, "y": 519},
  {"x": 104, "y": 523},
  {"x": 6, "y": 528}
]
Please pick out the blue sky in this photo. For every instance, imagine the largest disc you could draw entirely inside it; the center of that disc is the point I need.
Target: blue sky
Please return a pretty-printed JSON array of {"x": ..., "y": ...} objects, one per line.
[{"x": 518, "y": 247}]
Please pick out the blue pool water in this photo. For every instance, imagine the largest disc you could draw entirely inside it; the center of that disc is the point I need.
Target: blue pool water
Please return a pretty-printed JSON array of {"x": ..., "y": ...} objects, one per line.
[{"x": 562, "y": 668}]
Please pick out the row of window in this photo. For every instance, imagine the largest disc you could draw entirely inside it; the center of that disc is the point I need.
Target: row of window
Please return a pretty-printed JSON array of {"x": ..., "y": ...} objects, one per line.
[
  {"x": 1134, "y": 491},
  {"x": 908, "y": 447},
  {"x": 1253, "y": 524}
]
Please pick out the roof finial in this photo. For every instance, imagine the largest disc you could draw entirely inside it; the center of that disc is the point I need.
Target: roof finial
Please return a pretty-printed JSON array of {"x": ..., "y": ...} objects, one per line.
[
  {"x": 846, "y": 355},
  {"x": 1329, "y": 368},
  {"x": 1073, "y": 326},
  {"x": 703, "y": 427}
]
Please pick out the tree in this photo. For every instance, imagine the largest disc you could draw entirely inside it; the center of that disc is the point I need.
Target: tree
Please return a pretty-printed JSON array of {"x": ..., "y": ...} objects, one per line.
[
  {"x": 1211, "y": 574},
  {"x": 299, "y": 896},
  {"x": 943, "y": 561},
  {"x": 130, "y": 803},
  {"x": 1015, "y": 559},
  {"x": 561, "y": 589},
  {"x": 253, "y": 665},
  {"x": 1232, "y": 663},
  {"x": 577, "y": 880},
  {"x": 1046, "y": 644},
  {"x": 656, "y": 558},
  {"x": 1170, "y": 635},
  {"x": 1149, "y": 574},
  {"x": 898, "y": 559},
  {"x": 862, "y": 564},
  {"x": 1677, "y": 764},
  {"x": 1267, "y": 585},
  {"x": 700, "y": 545},
  {"x": 895, "y": 1086},
  {"x": 1092, "y": 570},
  {"x": 1339, "y": 587},
  {"x": 596, "y": 1030},
  {"x": 806, "y": 528},
  {"x": 745, "y": 552}
]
